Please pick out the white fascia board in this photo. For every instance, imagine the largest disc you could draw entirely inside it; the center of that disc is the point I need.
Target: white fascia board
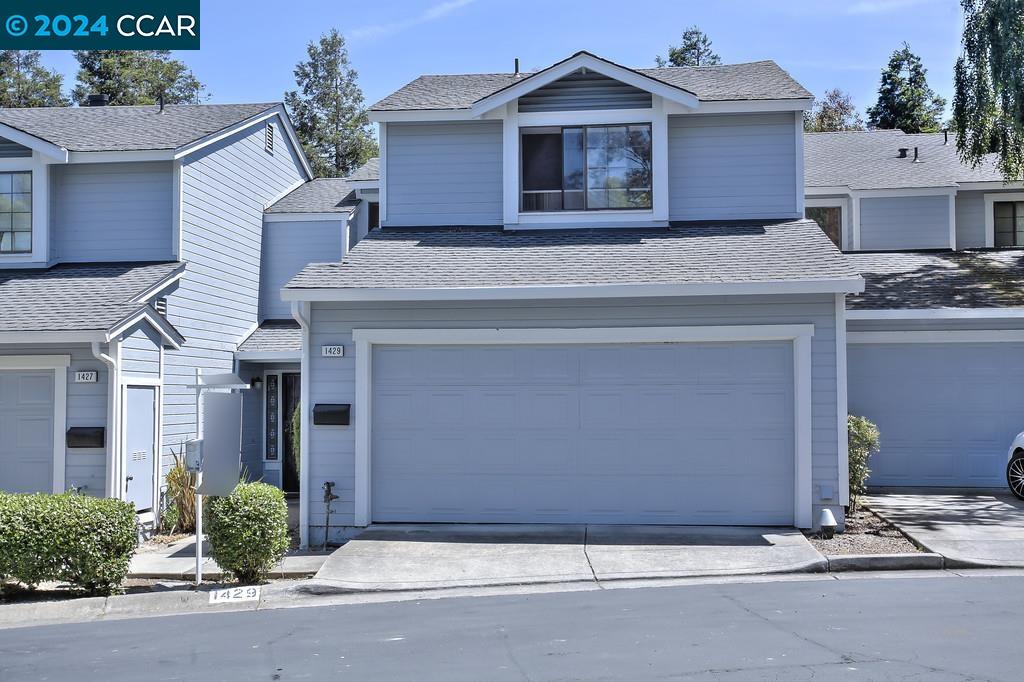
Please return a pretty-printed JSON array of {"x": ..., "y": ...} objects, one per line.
[
  {"x": 941, "y": 336},
  {"x": 158, "y": 287},
  {"x": 122, "y": 156},
  {"x": 365, "y": 184},
  {"x": 305, "y": 217},
  {"x": 269, "y": 356},
  {"x": 944, "y": 190},
  {"x": 34, "y": 361},
  {"x": 620, "y": 73},
  {"x": 819, "y": 191},
  {"x": 745, "y": 106},
  {"x": 162, "y": 327},
  {"x": 937, "y": 314},
  {"x": 991, "y": 184},
  {"x": 414, "y": 115},
  {"x": 48, "y": 149},
  {"x": 39, "y": 337},
  {"x": 850, "y": 285}
]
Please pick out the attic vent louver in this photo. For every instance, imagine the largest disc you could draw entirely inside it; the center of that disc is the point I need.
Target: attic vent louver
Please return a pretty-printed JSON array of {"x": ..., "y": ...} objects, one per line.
[
  {"x": 161, "y": 305},
  {"x": 903, "y": 152},
  {"x": 269, "y": 142}
]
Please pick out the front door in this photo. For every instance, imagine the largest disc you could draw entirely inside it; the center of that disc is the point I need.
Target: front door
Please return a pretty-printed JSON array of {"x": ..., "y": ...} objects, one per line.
[
  {"x": 140, "y": 439},
  {"x": 290, "y": 386}
]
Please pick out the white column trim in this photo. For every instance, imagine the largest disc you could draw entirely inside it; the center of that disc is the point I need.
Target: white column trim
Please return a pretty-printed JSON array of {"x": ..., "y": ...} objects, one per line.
[
  {"x": 798, "y": 120},
  {"x": 855, "y": 220},
  {"x": 178, "y": 190},
  {"x": 659, "y": 159},
  {"x": 799, "y": 334},
  {"x": 301, "y": 311},
  {"x": 842, "y": 407},
  {"x": 382, "y": 192},
  {"x": 510, "y": 163},
  {"x": 952, "y": 221}
]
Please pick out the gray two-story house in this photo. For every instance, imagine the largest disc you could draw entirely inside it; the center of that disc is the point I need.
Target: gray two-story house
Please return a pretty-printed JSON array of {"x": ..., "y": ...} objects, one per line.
[
  {"x": 592, "y": 298},
  {"x": 139, "y": 246}
]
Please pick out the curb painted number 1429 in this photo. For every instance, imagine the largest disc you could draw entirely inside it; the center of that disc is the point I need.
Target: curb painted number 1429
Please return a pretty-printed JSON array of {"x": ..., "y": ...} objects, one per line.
[{"x": 234, "y": 594}]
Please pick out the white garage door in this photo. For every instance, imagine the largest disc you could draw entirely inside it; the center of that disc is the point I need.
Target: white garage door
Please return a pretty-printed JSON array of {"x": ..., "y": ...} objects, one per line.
[
  {"x": 26, "y": 431},
  {"x": 947, "y": 412},
  {"x": 683, "y": 433}
]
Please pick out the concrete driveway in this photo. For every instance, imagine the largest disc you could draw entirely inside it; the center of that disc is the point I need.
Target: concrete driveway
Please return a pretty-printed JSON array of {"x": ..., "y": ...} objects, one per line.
[
  {"x": 416, "y": 557},
  {"x": 969, "y": 530}
]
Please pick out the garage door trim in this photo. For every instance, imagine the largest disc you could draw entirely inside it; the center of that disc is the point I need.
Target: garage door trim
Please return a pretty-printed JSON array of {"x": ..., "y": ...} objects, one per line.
[
  {"x": 799, "y": 334},
  {"x": 58, "y": 364}
]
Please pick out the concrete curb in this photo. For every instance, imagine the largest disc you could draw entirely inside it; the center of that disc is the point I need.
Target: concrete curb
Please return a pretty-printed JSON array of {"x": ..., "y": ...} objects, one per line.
[
  {"x": 217, "y": 574},
  {"x": 885, "y": 562}
]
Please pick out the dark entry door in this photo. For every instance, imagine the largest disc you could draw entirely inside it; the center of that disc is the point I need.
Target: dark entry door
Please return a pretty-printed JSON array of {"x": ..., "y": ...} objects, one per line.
[{"x": 290, "y": 386}]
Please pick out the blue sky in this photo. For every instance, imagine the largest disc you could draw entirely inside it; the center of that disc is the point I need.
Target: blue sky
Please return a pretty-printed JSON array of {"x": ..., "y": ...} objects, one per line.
[{"x": 250, "y": 47}]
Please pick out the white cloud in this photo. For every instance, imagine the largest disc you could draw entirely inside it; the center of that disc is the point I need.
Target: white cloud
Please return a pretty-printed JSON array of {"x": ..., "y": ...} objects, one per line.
[
  {"x": 883, "y": 6},
  {"x": 432, "y": 13}
]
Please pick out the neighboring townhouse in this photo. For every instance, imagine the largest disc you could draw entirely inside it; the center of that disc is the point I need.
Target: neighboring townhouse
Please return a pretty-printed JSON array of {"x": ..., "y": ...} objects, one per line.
[
  {"x": 936, "y": 341},
  {"x": 592, "y": 299},
  {"x": 132, "y": 246}
]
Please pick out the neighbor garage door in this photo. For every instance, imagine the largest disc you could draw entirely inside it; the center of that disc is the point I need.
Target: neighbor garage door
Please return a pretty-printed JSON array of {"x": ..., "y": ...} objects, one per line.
[
  {"x": 947, "y": 412},
  {"x": 688, "y": 433},
  {"x": 26, "y": 431}
]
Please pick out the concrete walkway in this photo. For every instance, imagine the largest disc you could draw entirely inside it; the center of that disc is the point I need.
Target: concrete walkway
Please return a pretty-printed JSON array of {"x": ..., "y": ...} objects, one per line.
[
  {"x": 177, "y": 561},
  {"x": 969, "y": 530},
  {"x": 418, "y": 557}
]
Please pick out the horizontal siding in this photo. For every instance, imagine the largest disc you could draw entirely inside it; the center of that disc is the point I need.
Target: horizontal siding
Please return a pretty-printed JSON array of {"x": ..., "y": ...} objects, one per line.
[
  {"x": 970, "y": 219},
  {"x": 581, "y": 91},
  {"x": 287, "y": 248},
  {"x": 140, "y": 352},
  {"x": 732, "y": 167},
  {"x": 225, "y": 188},
  {"x": 111, "y": 212},
  {"x": 332, "y": 380},
  {"x": 86, "y": 406},
  {"x": 904, "y": 223},
  {"x": 444, "y": 173},
  {"x": 13, "y": 150}
]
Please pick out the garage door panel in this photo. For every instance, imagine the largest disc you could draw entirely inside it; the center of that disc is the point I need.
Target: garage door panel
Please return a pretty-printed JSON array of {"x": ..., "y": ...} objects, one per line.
[
  {"x": 34, "y": 390},
  {"x": 586, "y": 434},
  {"x": 26, "y": 430}
]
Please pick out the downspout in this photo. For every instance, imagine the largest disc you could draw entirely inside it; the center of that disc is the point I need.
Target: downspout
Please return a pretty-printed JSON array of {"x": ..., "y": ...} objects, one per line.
[
  {"x": 113, "y": 477},
  {"x": 300, "y": 311}
]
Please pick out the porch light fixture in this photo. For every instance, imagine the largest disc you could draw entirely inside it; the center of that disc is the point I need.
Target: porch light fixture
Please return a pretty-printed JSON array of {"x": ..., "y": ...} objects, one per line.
[
  {"x": 256, "y": 383},
  {"x": 828, "y": 524}
]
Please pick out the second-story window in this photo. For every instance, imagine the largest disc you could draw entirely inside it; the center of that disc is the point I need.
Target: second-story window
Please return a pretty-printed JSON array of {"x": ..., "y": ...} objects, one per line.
[
  {"x": 586, "y": 168},
  {"x": 16, "y": 212}
]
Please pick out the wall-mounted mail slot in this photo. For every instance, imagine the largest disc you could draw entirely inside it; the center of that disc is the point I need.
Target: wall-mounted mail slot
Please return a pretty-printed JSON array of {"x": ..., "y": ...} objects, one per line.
[
  {"x": 86, "y": 437},
  {"x": 331, "y": 415}
]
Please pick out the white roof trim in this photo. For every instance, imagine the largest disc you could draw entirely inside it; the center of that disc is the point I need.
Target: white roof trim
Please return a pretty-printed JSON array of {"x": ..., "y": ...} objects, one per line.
[
  {"x": 268, "y": 355},
  {"x": 938, "y": 336},
  {"x": 818, "y": 191},
  {"x": 118, "y": 156},
  {"x": 297, "y": 217},
  {"x": 34, "y": 143},
  {"x": 158, "y": 287},
  {"x": 578, "y": 61},
  {"x": 37, "y": 337},
  {"x": 936, "y": 314},
  {"x": 162, "y": 326},
  {"x": 990, "y": 184},
  {"x": 850, "y": 285}
]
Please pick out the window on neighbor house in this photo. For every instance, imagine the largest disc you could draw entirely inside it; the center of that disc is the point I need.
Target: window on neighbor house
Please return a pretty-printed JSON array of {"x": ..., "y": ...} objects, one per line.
[
  {"x": 587, "y": 168},
  {"x": 16, "y": 212},
  {"x": 1009, "y": 223},
  {"x": 830, "y": 219}
]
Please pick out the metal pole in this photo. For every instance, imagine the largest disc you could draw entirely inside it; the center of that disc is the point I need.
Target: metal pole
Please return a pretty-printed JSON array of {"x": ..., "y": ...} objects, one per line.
[{"x": 199, "y": 480}]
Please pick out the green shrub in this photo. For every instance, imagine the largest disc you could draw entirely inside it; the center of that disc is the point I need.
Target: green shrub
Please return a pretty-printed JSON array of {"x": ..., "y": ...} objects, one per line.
[
  {"x": 85, "y": 541},
  {"x": 248, "y": 530},
  {"x": 863, "y": 438}
]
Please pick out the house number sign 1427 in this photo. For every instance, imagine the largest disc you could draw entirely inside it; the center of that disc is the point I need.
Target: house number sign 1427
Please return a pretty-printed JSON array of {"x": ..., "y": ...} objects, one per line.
[
  {"x": 88, "y": 377},
  {"x": 332, "y": 351}
]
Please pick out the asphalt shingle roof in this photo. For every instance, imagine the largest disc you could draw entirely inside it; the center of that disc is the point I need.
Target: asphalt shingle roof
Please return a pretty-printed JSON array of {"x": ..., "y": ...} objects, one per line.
[
  {"x": 274, "y": 336},
  {"x": 368, "y": 171},
  {"x": 322, "y": 195},
  {"x": 870, "y": 160},
  {"x": 707, "y": 253},
  {"x": 76, "y": 297},
  {"x": 948, "y": 279},
  {"x": 128, "y": 128},
  {"x": 749, "y": 81}
]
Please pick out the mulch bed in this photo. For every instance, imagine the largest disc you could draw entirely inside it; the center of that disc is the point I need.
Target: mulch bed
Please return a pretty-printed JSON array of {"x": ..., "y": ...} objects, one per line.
[{"x": 865, "y": 533}]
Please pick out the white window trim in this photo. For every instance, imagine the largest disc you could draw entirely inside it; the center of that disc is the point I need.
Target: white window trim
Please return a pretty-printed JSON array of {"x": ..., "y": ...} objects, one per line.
[
  {"x": 513, "y": 121},
  {"x": 39, "y": 166},
  {"x": 799, "y": 334},
  {"x": 843, "y": 204},
  {"x": 990, "y": 218},
  {"x": 58, "y": 364}
]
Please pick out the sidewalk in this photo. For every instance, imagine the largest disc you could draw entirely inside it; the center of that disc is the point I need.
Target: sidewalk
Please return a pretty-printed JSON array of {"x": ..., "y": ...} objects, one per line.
[{"x": 177, "y": 561}]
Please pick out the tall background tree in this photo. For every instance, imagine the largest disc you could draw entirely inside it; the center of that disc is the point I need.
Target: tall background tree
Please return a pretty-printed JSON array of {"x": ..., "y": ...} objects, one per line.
[
  {"x": 988, "y": 102},
  {"x": 135, "y": 77},
  {"x": 25, "y": 82},
  {"x": 832, "y": 113},
  {"x": 693, "y": 50},
  {"x": 905, "y": 102},
  {"x": 328, "y": 110}
]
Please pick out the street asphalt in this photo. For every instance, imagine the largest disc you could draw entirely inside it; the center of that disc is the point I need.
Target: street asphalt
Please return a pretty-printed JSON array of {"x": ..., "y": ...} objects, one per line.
[{"x": 936, "y": 628}]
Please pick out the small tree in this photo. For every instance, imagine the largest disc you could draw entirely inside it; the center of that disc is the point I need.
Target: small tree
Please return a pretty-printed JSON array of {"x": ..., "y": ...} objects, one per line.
[
  {"x": 905, "y": 102},
  {"x": 328, "y": 109},
  {"x": 25, "y": 82},
  {"x": 693, "y": 50},
  {"x": 832, "y": 113},
  {"x": 988, "y": 104},
  {"x": 135, "y": 77},
  {"x": 863, "y": 438}
]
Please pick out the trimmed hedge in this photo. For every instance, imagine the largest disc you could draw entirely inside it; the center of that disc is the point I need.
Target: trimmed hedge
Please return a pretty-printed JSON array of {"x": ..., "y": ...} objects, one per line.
[
  {"x": 85, "y": 541},
  {"x": 248, "y": 530}
]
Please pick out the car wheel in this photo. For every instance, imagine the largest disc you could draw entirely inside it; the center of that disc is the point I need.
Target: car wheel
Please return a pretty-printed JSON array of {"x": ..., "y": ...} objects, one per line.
[{"x": 1015, "y": 474}]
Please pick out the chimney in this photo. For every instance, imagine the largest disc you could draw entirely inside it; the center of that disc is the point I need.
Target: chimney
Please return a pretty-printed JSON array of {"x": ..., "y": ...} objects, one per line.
[
  {"x": 96, "y": 100},
  {"x": 916, "y": 159},
  {"x": 903, "y": 152},
  {"x": 516, "y": 74}
]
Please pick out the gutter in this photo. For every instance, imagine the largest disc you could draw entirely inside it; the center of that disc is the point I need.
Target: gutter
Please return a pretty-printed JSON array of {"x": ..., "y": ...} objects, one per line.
[{"x": 113, "y": 473}]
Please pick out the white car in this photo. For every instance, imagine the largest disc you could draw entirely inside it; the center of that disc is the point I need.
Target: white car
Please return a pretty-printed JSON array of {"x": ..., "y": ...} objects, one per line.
[{"x": 1015, "y": 467}]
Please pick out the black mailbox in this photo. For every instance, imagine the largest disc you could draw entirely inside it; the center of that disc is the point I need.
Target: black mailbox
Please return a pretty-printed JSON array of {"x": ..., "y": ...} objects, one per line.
[
  {"x": 86, "y": 437},
  {"x": 331, "y": 415}
]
